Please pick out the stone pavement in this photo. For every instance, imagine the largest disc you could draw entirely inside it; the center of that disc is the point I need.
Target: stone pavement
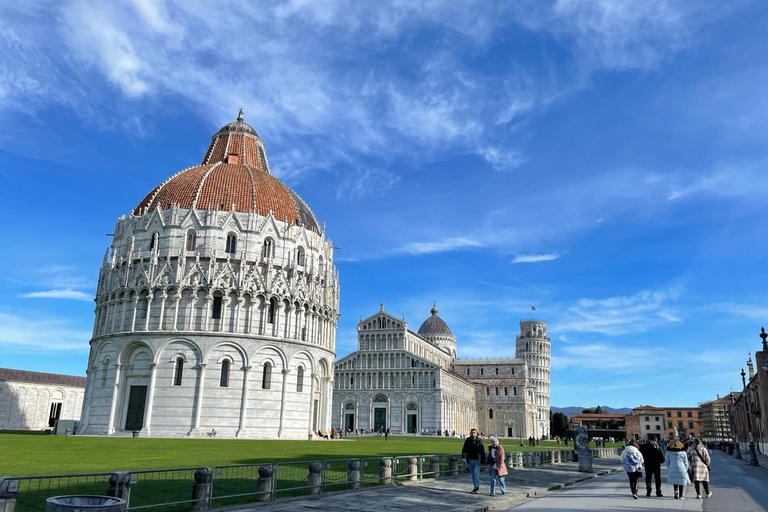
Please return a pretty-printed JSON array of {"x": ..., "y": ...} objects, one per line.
[{"x": 449, "y": 493}]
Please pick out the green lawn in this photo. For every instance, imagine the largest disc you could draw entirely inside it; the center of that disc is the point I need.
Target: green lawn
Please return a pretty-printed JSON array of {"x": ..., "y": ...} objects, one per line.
[{"x": 26, "y": 455}]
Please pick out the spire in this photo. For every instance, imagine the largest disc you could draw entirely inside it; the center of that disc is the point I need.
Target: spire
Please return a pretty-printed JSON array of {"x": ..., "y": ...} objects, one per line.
[{"x": 434, "y": 308}]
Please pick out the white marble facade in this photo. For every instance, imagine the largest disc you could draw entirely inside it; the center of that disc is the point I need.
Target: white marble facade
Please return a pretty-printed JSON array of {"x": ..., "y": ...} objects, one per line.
[
  {"x": 211, "y": 317},
  {"x": 408, "y": 381},
  {"x": 34, "y": 401}
]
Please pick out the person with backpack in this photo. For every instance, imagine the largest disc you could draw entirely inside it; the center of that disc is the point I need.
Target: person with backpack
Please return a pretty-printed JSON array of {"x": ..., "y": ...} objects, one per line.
[
  {"x": 677, "y": 467},
  {"x": 633, "y": 465},
  {"x": 699, "y": 461},
  {"x": 653, "y": 457}
]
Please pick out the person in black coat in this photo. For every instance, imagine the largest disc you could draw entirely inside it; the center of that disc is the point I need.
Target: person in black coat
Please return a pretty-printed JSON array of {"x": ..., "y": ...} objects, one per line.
[
  {"x": 654, "y": 458},
  {"x": 473, "y": 454}
]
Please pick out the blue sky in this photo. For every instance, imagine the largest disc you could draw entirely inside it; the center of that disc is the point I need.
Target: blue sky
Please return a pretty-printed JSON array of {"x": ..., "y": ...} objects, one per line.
[{"x": 604, "y": 161}]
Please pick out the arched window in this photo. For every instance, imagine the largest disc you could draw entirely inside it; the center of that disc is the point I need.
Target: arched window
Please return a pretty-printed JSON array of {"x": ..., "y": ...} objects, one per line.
[
  {"x": 320, "y": 266},
  {"x": 104, "y": 372},
  {"x": 231, "y": 243},
  {"x": 266, "y": 379},
  {"x": 490, "y": 414},
  {"x": 300, "y": 380},
  {"x": 300, "y": 257},
  {"x": 191, "y": 240},
  {"x": 216, "y": 312},
  {"x": 153, "y": 242},
  {"x": 272, "y": 310},
  {"x": 224, "y": 379},
  {"x": 497, "y": 370},
  {"x": 179, "y": 370},
  {"x": 269, "y": 248}
]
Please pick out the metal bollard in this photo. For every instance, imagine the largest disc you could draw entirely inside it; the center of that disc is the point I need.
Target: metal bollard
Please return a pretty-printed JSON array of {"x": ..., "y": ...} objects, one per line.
[
  {"x": 315, "y": 477},
  {"x": 413, "y": 468},
  {"x": 202, "y": 490},
  {"x": 353, "y": 474},
  {"x": 385, "y": 471},
  {"x": 264, "y": 483}
]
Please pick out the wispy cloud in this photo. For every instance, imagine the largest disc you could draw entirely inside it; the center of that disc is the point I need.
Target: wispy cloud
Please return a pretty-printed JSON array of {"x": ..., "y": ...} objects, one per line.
[
  {"x": 445, "y": 245},
  {"x": 366, "y": 182},
  {"x": 534, "y": 258},
  {"x": 41, "y": 334},
  {"x": 602, "y": 356},
  {"x": 59, "y": 294},
  {"x": 502, "y": 160}
]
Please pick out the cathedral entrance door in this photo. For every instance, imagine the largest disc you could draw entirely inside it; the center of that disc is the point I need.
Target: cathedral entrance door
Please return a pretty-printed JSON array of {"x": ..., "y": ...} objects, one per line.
[
  {"x": 509, "y": 431},
  {"x": 412, "y": 424},
  {"x": 137, "y": 401},
  {"x": 379, "y": 418},
  {"x": 349, "y": 421}
]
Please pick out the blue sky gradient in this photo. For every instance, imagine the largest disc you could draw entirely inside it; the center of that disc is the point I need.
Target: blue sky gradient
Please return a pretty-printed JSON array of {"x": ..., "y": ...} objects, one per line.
[{"x": 603, "y": 161}]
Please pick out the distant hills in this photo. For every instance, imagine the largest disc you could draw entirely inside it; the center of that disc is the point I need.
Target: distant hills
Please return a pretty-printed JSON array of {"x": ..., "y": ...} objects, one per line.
[{"x": 577, "y": 409}]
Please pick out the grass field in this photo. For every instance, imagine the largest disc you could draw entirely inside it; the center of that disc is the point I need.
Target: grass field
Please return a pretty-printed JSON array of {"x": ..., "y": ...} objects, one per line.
[{"x": 27, "y": 455}]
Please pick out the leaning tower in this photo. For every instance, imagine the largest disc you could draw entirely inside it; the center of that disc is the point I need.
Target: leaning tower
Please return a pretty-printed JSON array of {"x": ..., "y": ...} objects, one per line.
[{"x": 533, "y": 345}]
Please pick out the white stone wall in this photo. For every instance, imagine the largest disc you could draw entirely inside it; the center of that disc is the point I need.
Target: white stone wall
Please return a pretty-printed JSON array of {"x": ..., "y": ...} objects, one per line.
[{"x": 26, "y": 406}]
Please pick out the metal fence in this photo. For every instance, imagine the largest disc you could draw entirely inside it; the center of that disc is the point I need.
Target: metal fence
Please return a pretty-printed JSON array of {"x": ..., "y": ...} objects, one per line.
[{"x": 186, "y": 489}]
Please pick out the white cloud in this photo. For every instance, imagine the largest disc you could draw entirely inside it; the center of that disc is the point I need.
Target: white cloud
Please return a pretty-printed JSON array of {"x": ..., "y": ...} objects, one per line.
[
  {"x": 35, "y": 333},
  {"x": 59, "y": 294},
  {"x": 534, "y": 258},
  {"x": 502, "y": 160},
  {"x": 602, "y": 356},
  {"x": 366, "y": 182},
  {"x": 445, "y": 245}
]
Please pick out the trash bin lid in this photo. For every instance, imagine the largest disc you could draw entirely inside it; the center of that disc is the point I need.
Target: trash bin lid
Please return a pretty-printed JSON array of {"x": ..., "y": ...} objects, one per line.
[{"x": 84, "y": 503}]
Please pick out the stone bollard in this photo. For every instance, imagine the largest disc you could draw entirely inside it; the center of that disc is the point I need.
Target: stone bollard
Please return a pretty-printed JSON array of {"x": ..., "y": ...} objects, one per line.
[
  {"x": 453, "y": 465},
  {"x": 385, "y": 471},
  {"x": 519, "y": 459},
  {"x": 201, "y": 492},
  {"x": 413, "y": 468},
  {"x": 9, "y": 489},
  {"x": 315, "y": 477},
  {"x": 510, "y": 460},
  {"x": 434, "y": 466},
  {"x": 353, "y": 474},
  {"x": 264, "y": 483},
  {"x": 528, "y": 462},
  {"x": 537, "y": 458},
  {"x": 120, "y": 485},
  {"x": 558, "y": 454},
  {"x": 552, "y": 457}
]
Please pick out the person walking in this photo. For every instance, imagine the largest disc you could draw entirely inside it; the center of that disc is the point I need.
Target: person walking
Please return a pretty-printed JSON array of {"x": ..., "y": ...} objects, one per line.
[
  {"x": 677, "y": 467},
  {"x": 633, "y": 465},
  {"x": 699, "y": 461},
  {"x": 496, "y": 466},
  {"x": 473, "y": 454},
  {"x": 653, "y": 457}
]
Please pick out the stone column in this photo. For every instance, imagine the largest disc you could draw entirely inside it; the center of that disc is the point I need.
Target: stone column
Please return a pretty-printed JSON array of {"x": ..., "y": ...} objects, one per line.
[
  {"x": 92, "y": 375},
  {"x": 240, "y": 302},
  {"x": 285, "y": 372},
  {"x": 312, "y": 378},
  {"x": 199, "y": 399},
  {"x": 385, "y": 471},
  {"x": 125, "y": 302},
  {"x": 192, "y": 306},
  {"x": 135, "y": 309},
  {"x": 176, "y": 310},
  {"x": 224, "y": 313},
  {"x": 149, "y": 311},
  {"x": 150, "y": 398},
  {"x": 315, "y": 477},
  {"x": 207, "y": 313},
  {"x": 243, "y": 401},
  {"x": 113, "y": 404},
  {"x": 164, "y": 298},
  {"x": 115, "y": 303}
]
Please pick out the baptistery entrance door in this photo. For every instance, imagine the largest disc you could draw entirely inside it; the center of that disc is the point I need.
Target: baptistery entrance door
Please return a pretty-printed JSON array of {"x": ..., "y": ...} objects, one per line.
[
  {"x": 137, "y": 401},
  {"x": 380, "y": 418},
  {"x": 349, "y": 421}
]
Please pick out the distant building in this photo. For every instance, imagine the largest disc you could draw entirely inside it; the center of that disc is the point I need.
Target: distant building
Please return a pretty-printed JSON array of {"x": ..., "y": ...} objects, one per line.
[
  {"x": 34, "y": 400},
  {"x": 716, "y": 419},
  {"x": 413, "y": 381},
  {"x": 683, "y": 421},
  {"x": 645, "y": 422},
  {"x": 596, "y": 422}
]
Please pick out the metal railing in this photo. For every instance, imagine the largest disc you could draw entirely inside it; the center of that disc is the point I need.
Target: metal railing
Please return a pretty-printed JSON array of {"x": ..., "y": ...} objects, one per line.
[{"x": 185, "y": 489}]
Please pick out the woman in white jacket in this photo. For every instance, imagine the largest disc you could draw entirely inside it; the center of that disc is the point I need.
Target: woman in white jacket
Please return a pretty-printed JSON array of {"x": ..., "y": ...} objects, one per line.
[{"x": 633, "y": 465}]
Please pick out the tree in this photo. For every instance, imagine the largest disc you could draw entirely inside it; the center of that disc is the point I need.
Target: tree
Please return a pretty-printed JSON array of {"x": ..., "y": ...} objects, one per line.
[
  {"x": 590, "y": 410},
  {"x": 599, "y": 410},
  {"x": 559, "y": 424}
]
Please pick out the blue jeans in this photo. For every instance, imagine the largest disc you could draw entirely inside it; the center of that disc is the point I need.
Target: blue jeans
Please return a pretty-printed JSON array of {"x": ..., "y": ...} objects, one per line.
[
  {"x": 502, "y": 483},
  {"x": 474, "y": 470}
]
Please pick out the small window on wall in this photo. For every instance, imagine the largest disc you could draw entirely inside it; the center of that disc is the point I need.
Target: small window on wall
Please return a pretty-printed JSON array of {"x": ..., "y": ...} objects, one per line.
[
  {"x": 104, "y": 373},
  {"x": 487, "y": 391},
  {"x": 690, "y": 414},
  {"x": 271, "y": 310},
  {"x": 514, "y": 391},
  {"x": 153, "y": 241},
  {"x": 224, "y": 378},
  {"x": 300, "y": 380},
  {"x": 231, "y": 243},
  {"x": 497, "y": 371},
  {"x": 191, "y": 240},
  {"x": 506, "y": 392},
  {"x": 497, "y": 391},
  {"x": 490, "y": 414},
  {"x": 467, "y": 371},
  {"x": 268, "y": 249},
  {"x": 216, "y": 313},
  {"x": 482, "y": 371},
  {"x": 300, "y": 257},
  {"x": 178, "y": 371},
  {"x": 266, "y": 379},
  {"x": 690, "y": 424}
]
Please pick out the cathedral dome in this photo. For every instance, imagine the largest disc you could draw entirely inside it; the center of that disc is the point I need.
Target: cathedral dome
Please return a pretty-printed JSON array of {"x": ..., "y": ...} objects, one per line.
[
  {"x": 434, "y": 325},
  {"x": 234, "y": 175}
]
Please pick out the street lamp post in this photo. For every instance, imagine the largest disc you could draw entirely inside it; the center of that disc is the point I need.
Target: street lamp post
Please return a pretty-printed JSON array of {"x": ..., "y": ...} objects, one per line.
[
  {"x": 752, "y": 454},
  {"x": 736, "y": 448}
]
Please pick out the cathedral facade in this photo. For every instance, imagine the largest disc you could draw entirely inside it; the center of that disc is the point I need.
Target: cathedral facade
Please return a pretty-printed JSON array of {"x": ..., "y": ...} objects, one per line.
[
  {"x": 413, "y": 382},
  {"x": 216, "y": 307}
]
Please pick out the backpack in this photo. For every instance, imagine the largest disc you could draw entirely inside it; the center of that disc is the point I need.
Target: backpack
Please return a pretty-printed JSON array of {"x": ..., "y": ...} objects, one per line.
[{"x": 631, "y": 462}]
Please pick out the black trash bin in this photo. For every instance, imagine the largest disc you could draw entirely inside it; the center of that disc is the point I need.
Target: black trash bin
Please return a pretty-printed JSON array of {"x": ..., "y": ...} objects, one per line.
[
  {"x": 84, "y": 504},
  {"x": 136, "y": 433}
]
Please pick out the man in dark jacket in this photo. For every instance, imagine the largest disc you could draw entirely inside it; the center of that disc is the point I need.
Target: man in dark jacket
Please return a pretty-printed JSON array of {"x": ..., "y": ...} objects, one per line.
[
  {"x": 473, "y": 454},
  {"x": 654, "y": 458}
]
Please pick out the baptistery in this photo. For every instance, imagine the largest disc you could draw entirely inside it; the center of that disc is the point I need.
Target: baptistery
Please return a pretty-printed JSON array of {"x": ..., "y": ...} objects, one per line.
[{"x": 216, "y": 307}]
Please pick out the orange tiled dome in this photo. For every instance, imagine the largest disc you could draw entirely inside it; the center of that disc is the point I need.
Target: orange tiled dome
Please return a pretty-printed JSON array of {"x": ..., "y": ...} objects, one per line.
[{"x": 234, "y": 174}]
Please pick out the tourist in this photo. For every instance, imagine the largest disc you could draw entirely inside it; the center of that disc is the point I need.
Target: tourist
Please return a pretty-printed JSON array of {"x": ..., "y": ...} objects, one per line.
[
  {"x": 699, "y": 461},
  {"x": 653, "y": 457},
  {"x": 386, "y": 434},
  {"x": 472, "y": 454},
  {"x": 633, "y": 465},
  {"x": 677, "y": 467},
  {"x": 496, "y": 466}
]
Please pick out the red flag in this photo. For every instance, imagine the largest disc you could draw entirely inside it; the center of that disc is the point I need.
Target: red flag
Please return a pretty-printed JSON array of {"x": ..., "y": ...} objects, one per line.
[{"x": 533, "y": 308}]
